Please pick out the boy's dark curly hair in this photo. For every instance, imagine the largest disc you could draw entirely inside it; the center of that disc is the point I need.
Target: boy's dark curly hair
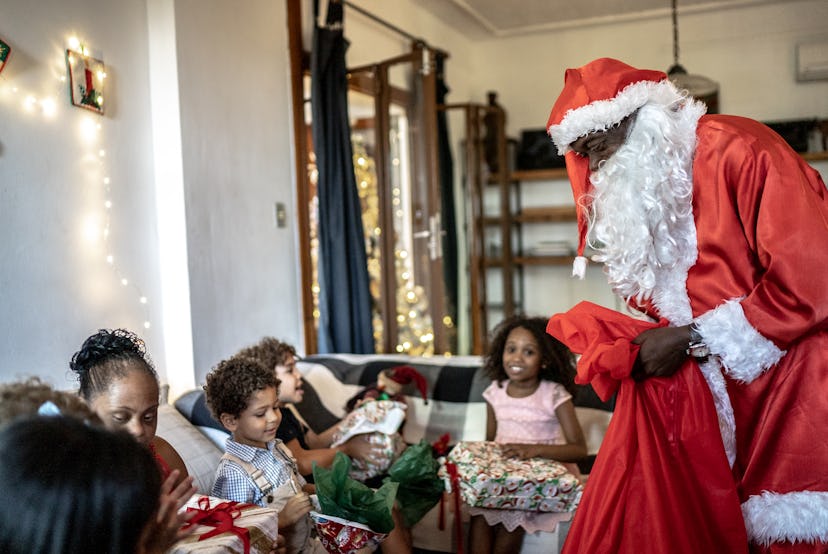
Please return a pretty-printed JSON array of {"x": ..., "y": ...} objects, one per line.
[
  {"x": 107, "y": 356},
  {"x": 557, "y": 361},
  {"x": 233, "y": 381},
  {"x": 270, "y": 351}
]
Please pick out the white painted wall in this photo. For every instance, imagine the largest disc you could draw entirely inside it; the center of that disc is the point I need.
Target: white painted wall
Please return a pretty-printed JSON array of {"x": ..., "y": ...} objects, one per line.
[
  {"x": 56, "y": 287},
  {"x": 230, "y": 89},
  {"x": 234, "y": 86}
]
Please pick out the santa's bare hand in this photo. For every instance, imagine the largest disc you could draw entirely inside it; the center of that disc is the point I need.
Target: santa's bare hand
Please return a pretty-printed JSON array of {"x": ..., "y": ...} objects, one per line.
[{"x": 663, "y": 351}]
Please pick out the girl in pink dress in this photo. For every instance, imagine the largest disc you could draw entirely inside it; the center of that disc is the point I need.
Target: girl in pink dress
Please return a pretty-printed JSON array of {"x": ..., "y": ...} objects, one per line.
[{"x": 531, "y": 415}]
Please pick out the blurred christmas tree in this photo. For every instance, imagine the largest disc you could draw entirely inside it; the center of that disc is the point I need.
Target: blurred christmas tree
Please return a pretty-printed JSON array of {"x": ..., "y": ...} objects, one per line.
[{"x": 415, "y": 333}]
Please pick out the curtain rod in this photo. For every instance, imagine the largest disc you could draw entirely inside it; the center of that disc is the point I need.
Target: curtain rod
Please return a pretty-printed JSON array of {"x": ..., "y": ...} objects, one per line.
[{"x": 388, "y": 25}]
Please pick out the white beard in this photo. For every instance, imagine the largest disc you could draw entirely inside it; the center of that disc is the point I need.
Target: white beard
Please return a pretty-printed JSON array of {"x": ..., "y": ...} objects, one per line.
[{"x": 641, "y": 219}]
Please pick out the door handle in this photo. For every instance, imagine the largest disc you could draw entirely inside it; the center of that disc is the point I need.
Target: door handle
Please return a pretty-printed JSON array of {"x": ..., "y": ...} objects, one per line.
[{"x": 434, "y": 235}]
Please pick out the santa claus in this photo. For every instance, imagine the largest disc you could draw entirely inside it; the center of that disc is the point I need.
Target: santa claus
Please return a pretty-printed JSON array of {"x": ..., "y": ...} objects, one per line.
[{"x": 714, "y": 224}]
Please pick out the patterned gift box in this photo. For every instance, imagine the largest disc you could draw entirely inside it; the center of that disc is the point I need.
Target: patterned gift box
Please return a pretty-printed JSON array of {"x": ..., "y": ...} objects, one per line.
[
  {"x": 340, "y": 536},
  {"x": 488, "y": 480},
  {"x": 221, "y": 527},
  {"x": 379, "y": 420}
]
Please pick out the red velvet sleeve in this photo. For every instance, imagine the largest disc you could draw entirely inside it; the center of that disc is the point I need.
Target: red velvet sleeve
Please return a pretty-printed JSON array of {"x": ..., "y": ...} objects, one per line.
[{"x": 769, "y": 224}]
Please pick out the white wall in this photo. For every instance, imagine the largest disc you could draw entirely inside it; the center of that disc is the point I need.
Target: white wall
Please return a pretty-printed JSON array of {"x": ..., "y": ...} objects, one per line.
[
  {"x": 234, "y": 85},
  {"x": 232, "y": 94},
  {"x": 56, "y": 287}
]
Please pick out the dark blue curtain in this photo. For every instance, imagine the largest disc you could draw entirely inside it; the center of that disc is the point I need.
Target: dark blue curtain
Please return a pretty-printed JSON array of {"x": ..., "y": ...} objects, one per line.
[
  {"x": 448, "y": 219},
  {"x": 344, "y": 297}
]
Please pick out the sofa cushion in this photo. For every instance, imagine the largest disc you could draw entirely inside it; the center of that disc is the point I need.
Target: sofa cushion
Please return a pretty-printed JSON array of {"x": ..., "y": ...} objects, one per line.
[
  {"x": 455, "y": 387},
  {"x": 200, "y": 455}
]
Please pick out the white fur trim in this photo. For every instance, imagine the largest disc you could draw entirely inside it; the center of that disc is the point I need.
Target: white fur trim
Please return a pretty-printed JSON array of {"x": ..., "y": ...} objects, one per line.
[
  {"x": 744, "y": 353},
  {"x": 712, "y": 373},
  {"x": 603, "y": 114},
  {"x": 793, "y": 517},
  {"x": 579, "y": 267}
]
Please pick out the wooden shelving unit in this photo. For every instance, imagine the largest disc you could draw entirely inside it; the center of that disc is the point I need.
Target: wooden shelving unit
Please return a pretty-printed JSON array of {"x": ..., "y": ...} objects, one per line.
[{"x": 507, "y": 261}]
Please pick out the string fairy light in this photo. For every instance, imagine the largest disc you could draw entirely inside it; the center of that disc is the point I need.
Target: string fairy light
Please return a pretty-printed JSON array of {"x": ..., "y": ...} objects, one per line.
[
  {"x": 48, "y": 106},
  {"x": 92, "y": 132}
]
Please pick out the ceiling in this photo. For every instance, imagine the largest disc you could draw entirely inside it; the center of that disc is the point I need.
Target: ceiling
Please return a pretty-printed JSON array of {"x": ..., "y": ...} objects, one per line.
[{"x": 481, "y": 19}]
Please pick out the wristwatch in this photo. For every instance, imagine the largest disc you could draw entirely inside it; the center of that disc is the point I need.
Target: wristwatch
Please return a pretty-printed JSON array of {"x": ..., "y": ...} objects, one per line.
[{"x": 697, "y": 348}]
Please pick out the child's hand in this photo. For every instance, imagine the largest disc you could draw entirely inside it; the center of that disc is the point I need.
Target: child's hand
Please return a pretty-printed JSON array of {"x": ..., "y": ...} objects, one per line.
[
  {"x": 294, "y": 509},
  {"x": 520, "y": 451},
  {"x": 358, "y": 447},
  {"x": 280, "y": 546},
  {"x": 165, "y": 530}
]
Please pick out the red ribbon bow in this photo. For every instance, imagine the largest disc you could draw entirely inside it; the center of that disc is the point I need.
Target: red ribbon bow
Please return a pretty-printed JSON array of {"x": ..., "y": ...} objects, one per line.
[
  {"x": 220, "y": 516},
  {"x": 441, "y": 445}
]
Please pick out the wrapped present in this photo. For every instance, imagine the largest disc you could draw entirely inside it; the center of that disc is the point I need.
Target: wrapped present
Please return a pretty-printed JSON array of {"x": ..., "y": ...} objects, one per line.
[
  {"x": 341, "y": 536},
  {"x": 489, "y": 480},
  {"x": 380, "y": 420},
  {"x": 222, "y": 526}
]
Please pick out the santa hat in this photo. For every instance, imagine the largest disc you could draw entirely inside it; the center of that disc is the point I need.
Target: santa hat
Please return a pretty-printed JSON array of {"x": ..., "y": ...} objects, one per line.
[
  {"x": 596, "y": 97},
  {"x": 405, "y": 374}
]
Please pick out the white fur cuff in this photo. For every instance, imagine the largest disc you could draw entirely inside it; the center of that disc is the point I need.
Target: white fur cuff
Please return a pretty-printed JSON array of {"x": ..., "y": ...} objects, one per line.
[
  {"x": 793, "y": 517},
  {"x": 745, "y": 354}
]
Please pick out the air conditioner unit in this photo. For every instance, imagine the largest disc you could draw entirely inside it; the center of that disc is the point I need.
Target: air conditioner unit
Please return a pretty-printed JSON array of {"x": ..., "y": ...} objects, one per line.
[{"x": 812, "y": 61}]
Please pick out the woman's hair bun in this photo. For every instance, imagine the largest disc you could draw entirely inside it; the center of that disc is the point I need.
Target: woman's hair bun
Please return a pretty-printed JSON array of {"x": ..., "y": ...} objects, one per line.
[{"x": 107, "y": 345}]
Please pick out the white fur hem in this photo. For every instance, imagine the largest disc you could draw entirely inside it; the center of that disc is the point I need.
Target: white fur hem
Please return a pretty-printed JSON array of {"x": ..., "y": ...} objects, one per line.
[
  {"x": 603, "y": 114},
  {"x": 793, "y": 517},
  {"x": 744, "y": 353}
]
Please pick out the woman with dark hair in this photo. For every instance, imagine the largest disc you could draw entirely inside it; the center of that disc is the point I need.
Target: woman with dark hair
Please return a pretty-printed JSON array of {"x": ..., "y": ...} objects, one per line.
[
  {"x": 96, "y": 492},
  {"x": 116, "y": 378},
  {"x": 118, "y": 381}
]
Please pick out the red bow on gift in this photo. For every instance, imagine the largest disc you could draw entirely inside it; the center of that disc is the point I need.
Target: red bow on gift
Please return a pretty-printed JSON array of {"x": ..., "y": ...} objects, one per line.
[
  {"x": 220, "y": 516},
  {"x": 441, "y": 445}
]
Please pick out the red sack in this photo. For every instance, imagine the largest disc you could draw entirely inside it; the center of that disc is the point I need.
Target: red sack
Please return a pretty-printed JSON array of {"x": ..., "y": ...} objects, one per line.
[{"x": 661, "y": 481}]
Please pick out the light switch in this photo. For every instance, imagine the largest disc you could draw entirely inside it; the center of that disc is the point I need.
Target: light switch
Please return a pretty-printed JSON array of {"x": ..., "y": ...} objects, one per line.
[{"x": 280, "y": 215}]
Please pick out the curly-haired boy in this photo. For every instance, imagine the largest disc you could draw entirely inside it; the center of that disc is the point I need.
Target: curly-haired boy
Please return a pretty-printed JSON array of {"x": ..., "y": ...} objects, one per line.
[{"x": 256, "y": 467}]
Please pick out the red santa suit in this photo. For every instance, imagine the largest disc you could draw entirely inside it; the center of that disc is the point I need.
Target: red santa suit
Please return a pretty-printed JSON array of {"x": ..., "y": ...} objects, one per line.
[{"x": 750, "y": 273}]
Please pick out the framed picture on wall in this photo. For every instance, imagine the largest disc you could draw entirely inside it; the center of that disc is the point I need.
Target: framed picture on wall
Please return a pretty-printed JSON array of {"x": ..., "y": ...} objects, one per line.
[
  {"x": 5, "y": 49},
  {"x": 86, "y": 81}
]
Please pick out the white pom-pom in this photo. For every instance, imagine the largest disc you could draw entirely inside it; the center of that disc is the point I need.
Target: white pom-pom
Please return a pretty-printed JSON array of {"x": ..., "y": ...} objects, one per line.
[{"x": 579, "y": 267}]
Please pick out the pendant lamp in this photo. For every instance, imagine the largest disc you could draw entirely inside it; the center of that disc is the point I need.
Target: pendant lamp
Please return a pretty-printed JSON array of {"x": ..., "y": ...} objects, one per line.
[{"x": 698, "y": 86}]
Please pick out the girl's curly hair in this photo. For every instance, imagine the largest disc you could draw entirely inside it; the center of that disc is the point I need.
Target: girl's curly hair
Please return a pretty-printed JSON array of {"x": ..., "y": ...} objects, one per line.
[
  {"x": 233, "y": 381},
  {"x": 24, "y": 399},
  {"x": 107, "y": 356},
  {"x": 269, "y": 351},
  {"x": 557, "y": 361}
]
